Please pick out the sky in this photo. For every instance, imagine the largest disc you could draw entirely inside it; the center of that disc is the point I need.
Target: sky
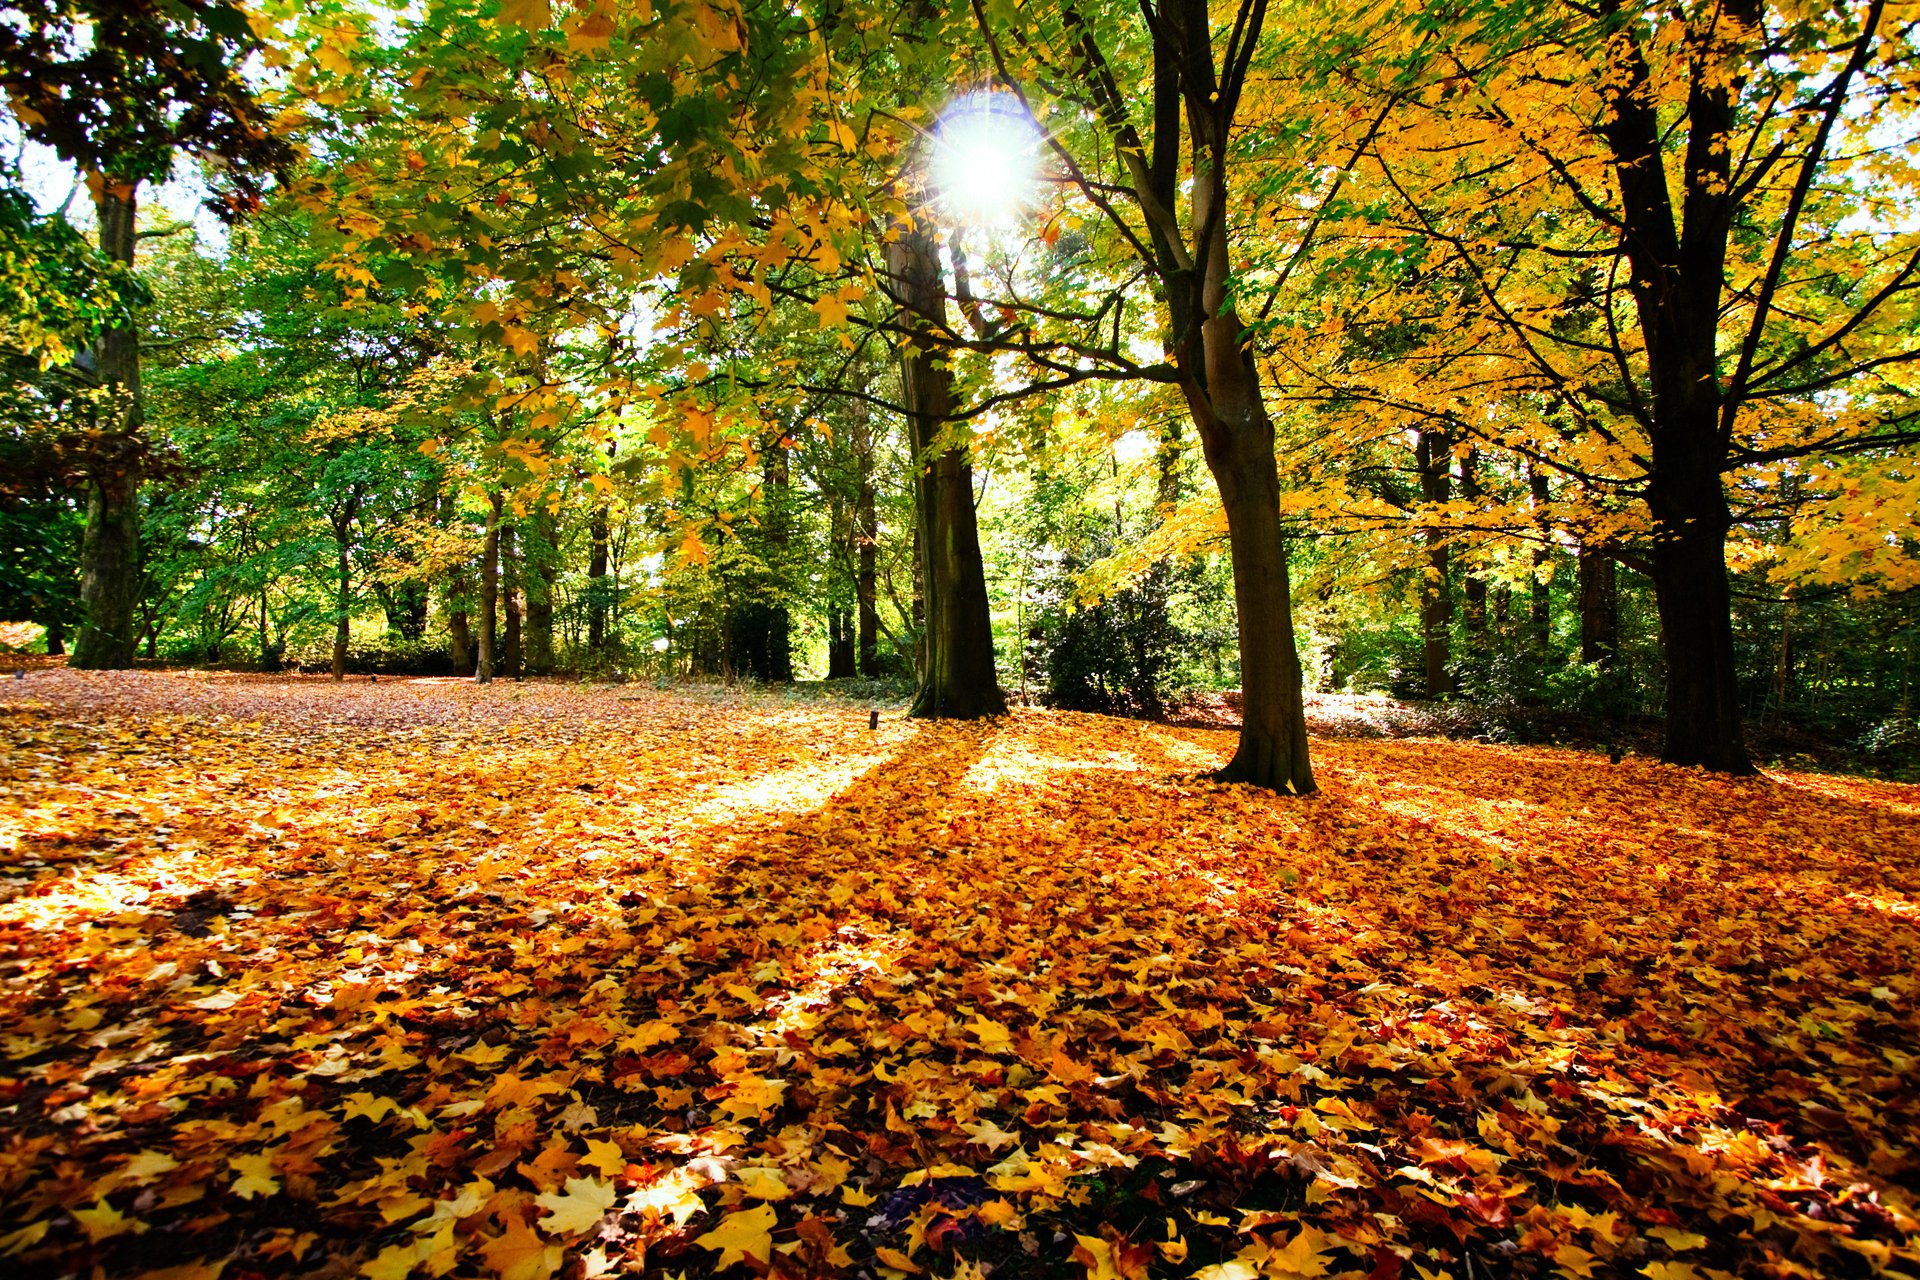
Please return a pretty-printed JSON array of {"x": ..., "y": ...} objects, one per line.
[{"x": 48, "y": 180}]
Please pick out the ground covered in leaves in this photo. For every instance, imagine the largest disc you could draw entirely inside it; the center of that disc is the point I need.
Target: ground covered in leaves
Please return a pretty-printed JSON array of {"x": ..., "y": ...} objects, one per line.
[{"x": 415, "y": 978}]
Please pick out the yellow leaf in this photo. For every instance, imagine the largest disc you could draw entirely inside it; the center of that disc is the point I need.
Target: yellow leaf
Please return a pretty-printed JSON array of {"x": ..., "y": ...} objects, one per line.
[
  {"x": 395, "y": 1262},
  {"x": 763, "y": 1183},
  {"x": 605, "y": 1156},
  {"x": 747, "y": 1233},
  {"x": 534, "y": 15},
  {"x": 898, "y": 1261},
  {"x": 519, "y": 1254},
  {"x": 1670, "y": 1271},
  {"x": 256, "y": 1176},
  {"x": 145, "y": 1166},
  {"x": 985, "y": 1133},
  {"x": 29, "y": 1236},
  {"x": 103, "y": 1222},
  {"x": 590, "y": 33},
  {"x": 832, "y": 312},
  {"x": 1677, "y": 1240},
  {"x": 576, "y": 1209}
]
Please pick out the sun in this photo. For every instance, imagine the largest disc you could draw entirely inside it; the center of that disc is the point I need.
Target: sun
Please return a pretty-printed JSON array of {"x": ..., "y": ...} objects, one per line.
[{"x": 986, "y": 159}]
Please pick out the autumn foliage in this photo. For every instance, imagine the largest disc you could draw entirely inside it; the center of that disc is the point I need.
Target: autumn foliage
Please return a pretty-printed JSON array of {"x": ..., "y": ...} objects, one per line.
[{"x": 425, "y": 979}]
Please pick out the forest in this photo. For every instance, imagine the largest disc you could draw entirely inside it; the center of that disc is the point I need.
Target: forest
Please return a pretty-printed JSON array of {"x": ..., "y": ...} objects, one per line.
[{"x": 1254, "y": 638}]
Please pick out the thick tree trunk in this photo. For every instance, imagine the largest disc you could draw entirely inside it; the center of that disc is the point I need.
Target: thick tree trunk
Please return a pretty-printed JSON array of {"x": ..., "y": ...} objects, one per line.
[
  {"x": 1221, "y": 383},
  {"x": 110, "y": 547},
  {"x": 1599, "y": 608},
  {"x": 489, "y": 591},
  {"x": 542, "y": 556},
  {"x": 1696, "y": 623},
  {"x": 512, "y": 655},
  {"x": 958, "y": 680},
  {"x": 460, "y": 641},
  {"x": 597, "y": 586},
  {"x": 1434, "y": 456},
  {"x": 1272, "y": 751},
  {"x": 1678, "y": 280}
]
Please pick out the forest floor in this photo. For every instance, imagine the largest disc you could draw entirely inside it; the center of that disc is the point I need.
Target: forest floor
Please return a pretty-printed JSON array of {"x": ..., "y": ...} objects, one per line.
[{"x": 416, "y": 977}]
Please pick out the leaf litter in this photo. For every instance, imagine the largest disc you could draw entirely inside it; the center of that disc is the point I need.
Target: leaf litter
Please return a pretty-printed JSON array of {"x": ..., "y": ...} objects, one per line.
[{"x": 424, "y": 979}]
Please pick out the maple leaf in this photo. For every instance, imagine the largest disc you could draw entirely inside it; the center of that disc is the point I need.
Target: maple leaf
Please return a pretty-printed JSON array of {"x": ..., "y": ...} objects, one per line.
[
  {"x": 534, "y": 15},
  {"x": 745, "y": 1233},
  {"x": 763, "y": 1183},
  {"x": 256, "y": 1176},
  {"x": 145, "y": 1166},
  {"x": 577, "y": 1209},
  {"x": 395, "y": 1262},
  {"x": 985, "y": 1133},
  {"x": 103, "y": 1222},
  {"x": 605, "y": 1156},
  {"x": 519, "y": 1254}
]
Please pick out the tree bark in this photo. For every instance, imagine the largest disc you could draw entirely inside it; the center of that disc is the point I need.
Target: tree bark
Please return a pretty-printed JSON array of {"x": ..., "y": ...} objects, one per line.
[
  {"x": 1433, "y": 452},
  {"x": 1539, "y": 583},
  {"x": 1272, "y": 751},
  {"x": 1220, "y": 380},
  {"x": 110, "y": 546},
  {"x": 866, "y": 538},
  {"x": 597, "y": 535},
  {"x": 512, "y": 654},
  {"x": 958, "y": 679},
  {"x": 342, "y": 519},
  {"x": 542, "y": 565},
  {"x": 1690, "y": 584},
  {"x": 1678, "y": 276},
  {"x": 1473, "y": 587},
  {"x": 778, "y": 488},
  {"x": 489, "y": 590},
  {"x": 1599, "y": 608}
]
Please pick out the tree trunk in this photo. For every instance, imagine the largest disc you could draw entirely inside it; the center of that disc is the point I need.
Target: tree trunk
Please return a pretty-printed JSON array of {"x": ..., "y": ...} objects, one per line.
[
  {"x": 1221, "y": 383},
  {"x": 1539, "y": 585},
  {"x": 110, "y": 547},
  {"x": 489, "y": 590},
  {"x": 343, "y": 601},
  {"x": 542, "y": 566},
  {"x": 866, "y": 538},
  {"x": 1782, "y": 664},
  {"x": 269, "y": 653},
  {"x": 1696, "y": 622},
  {"x": 1434, "y": 455},
  {"x": 1473, "y": 587},
  {"x": 56, "y": 636},
  {"x": 779, "y": 496},
  {"x": 1272, "y": 751},
  {"x": 1599, "y": 608},
  {"x": 597, "y": 586},
  {"x": 460, "y": 640},
  {"x": 958, "y": 680},
  {"x": 840, "y": 646},
  {"x": 1678, "y": 279},
  {"x": 512, "y": 653}
]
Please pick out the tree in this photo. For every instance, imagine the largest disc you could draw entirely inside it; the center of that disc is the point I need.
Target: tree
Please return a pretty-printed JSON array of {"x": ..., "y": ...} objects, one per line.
[
  {"x": 1664, "y": 248},
  {"x": 957, "y": 677}
]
